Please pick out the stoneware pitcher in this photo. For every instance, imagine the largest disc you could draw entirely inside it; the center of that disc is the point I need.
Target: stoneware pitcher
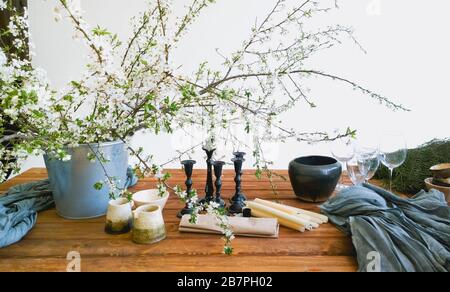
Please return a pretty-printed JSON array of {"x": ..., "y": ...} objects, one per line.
[
  {"x": 148, "y": 225},
  {"x": 119, "y": 217}
]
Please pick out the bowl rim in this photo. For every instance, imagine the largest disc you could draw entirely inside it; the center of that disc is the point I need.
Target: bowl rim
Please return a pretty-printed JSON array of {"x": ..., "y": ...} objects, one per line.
[
  {"x": 315, "y": 156},
  {"x": 429, "y": 181},
  {"x": 148, "y": 208},
  {"x": 119, "y": 201},
  {"x": 166, "y": 196},
  {"x": 437, "y": 167}
]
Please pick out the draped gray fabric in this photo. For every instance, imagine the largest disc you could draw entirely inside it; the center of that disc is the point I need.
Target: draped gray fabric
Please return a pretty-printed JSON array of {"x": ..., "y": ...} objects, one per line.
[
  {"x": 409, "y": 235},
  {"x": 19, "y": 208}
]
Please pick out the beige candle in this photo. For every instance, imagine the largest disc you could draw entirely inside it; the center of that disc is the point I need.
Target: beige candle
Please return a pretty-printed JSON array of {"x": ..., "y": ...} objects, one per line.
[
  {"x": 320, "y": 217},
  {"x": 281, "y": 221},
  {"x": 282, "y": 215},
  {"x": 288, "y": 210}
]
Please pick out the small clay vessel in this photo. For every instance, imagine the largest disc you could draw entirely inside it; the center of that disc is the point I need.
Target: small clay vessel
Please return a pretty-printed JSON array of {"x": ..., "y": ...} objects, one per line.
[
  {"x": 148, "y": 225},
  {"x": 119, "y": 217}
]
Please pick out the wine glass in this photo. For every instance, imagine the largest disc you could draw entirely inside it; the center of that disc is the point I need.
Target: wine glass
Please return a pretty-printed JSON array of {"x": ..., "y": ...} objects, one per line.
[
  {"x": 393, "y": 152},
  {"x": 343, "y": 150},
  {"x": 356, "y": 171},
  {"x": 369, "y": 161}
]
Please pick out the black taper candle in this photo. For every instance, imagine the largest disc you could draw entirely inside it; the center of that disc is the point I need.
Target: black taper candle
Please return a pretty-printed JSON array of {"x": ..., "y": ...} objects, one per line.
[{"x": 239, "y": 154}]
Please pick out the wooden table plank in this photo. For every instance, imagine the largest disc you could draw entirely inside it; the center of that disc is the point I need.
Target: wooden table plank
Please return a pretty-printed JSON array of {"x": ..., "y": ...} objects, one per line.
[
  {"x": 185, "y": 263},
  {"x": 190, "y": 246},
  {"x": 46, "y": 246}
]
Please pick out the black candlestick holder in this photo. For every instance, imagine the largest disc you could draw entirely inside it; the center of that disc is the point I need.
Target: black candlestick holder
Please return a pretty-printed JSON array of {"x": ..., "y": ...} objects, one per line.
[
  {"x": 239, "y": 154},
  {"x": 188, "y": 170},
  {"x": 218, "y": 170},
  {"x": 238, "y": 200},
  {"x": 209, "y": 188}
]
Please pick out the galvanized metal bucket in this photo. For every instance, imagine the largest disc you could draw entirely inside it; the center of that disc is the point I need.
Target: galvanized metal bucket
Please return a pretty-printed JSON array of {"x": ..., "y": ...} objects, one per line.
[{"x": 73, "y": 181}]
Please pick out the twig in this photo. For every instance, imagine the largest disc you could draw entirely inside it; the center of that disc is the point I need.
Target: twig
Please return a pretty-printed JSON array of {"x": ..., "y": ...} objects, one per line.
[
  {"x": 181, "y": 154},
  {"x": 12, "y": 137}
]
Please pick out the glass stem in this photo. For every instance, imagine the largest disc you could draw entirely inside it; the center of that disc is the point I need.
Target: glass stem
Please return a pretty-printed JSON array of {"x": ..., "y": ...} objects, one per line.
[
  {"x": 391, "y": 174},
  {"x": 344, "y": 164}
]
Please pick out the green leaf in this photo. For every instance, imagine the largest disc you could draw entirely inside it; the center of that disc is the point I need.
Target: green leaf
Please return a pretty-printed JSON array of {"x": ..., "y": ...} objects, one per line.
[
  {"x": 166, "y": 176},
  {"x": 58, "y": 108},
  {"x": 150, "y": 96},
  {"x": 68, "y": 98},
  {"x": 98, "y": 186},
  {"x": 247, "y": 128},
  {"x": 351, "y": 133},
  {"x": 228, "y": 250},
  {"x": 149, "y": 108},
  {"x": 98, "y": 31},
  {"x": 258, "y": 173}
]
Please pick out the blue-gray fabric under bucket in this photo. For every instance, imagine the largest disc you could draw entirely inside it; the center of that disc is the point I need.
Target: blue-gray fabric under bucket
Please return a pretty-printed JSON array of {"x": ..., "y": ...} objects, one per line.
[
  {"x": 406, "y": 235},
  {"x": 73, "y": 181},
  {"x": 19, "y": 207}
]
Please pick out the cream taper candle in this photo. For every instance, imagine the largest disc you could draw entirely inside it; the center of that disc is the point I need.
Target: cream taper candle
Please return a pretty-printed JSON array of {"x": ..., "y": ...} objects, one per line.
[{"x": 282, "y": 215}]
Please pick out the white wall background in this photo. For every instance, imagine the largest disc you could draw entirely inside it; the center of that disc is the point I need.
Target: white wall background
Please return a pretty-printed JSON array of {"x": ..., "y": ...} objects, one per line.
[{"x": 408, "y": 59}]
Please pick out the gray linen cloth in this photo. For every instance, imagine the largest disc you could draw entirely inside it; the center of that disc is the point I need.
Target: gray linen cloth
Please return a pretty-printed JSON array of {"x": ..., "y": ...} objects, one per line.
[
  {"x": 408, "y": 235},
  {"x": 19, "y": 208}
]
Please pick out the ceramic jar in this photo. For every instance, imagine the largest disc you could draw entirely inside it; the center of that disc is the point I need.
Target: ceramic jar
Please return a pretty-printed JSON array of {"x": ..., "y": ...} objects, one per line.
[
  {"x": 148, "y": 225},
  {"x": 119, "y": 217},
  {"x": 314, "y": 178}
]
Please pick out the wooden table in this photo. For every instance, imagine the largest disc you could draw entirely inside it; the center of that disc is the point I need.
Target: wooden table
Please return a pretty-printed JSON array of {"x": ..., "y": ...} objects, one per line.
[{"x": 46, "y": 247}]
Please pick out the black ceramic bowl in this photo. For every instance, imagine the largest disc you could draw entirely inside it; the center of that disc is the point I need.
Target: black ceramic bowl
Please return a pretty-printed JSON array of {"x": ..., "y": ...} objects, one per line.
[{"x": 314, "y": 178}]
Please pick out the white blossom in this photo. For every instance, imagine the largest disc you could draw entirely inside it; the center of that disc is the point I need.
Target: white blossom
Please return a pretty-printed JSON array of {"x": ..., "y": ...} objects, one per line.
[
  {"x": 159, "y": 174},
  {"x": 57, "y": 15},
  {"x": 66, "y": 158},
  {"x": 3, "y": 58},
  {"x": 3, "y": 4}
]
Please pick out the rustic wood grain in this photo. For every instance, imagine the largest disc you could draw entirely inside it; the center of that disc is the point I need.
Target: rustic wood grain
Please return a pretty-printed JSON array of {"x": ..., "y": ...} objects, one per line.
[
  {"x": 46, "y": 246},
  {"x": 185, "y": 263}
]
